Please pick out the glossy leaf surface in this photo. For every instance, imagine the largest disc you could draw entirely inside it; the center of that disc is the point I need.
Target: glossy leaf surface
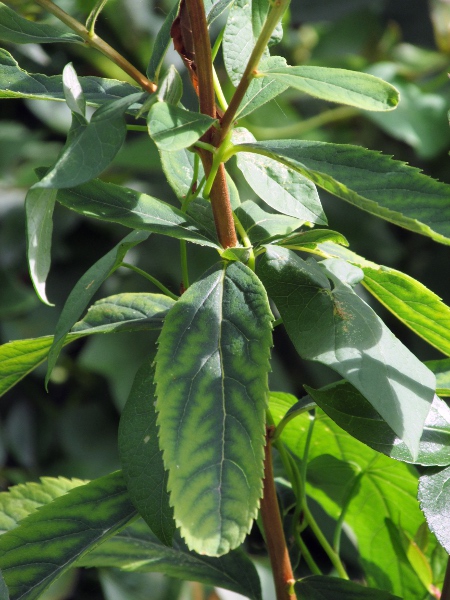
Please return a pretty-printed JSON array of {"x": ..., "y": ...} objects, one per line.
[
  {"x": 338, "y": 85},
  {"x": 173, "y": 128},
  {"x": 18, "y": 30},
  {"x": 331, "y": 588},
  {"x": 138, "y": 549},
  {"x": 345, "y": 474},
  {"x": 17, "y": 83},
  {"x": 337, "y": 328},
  {"x": 75, "y": 522},
  {"x": 261, "y": 225},
  {"x": 282, "y": 188},
  {"x": 311, "y": 239},
  {"x": 117, "y": 204},
  {"x": 386, "y": 188},
  {"x": 141, "y": 458},
  {"x": 441, "y": 369},
  {"x": 350, "y": 410},
  {"x": 211, "y": 375},
  {"x": 435, "y": 502},
  {"x": 89, "y": 153}
]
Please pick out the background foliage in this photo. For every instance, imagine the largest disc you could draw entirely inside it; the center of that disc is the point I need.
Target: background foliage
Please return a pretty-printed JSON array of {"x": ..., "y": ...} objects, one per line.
[{"x": 72, "y": 431}]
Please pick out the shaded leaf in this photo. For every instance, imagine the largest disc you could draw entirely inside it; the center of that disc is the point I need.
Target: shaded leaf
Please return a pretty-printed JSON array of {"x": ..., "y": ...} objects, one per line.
[
  {"x": 141, "y": 458},
  {"x": 332, "y": 588},
  {"x": 310, "y": 239},
  {"x": 138, "y": 549},
  {"x": 386, "y": 188},
  {"x": 261, "y": 225},
  {"x": 337, "y": 328},
  {"x": 170, "y": 89},
  {"x": 85, "y": 289},
  {"x": 17, "y": 83},
  {"x": 285, "y": 190},
  {"x": 211, "y": 376},
  {"x": 18, "y": 30},
  {"x": 441, "y": 369},
  {"x": 173, "y": 128},
  {"x": 75, "y": 523},
  {"x": 39, "y": 205},
  {"x": 89, "y": 153},
  {"x": 350, "y": 410},
  {"x": 435, "y": 502},
  {"x": 4, "y": 594},
  {"x": 118, "y": 204},
  {"x": 338, "y": 85},
  {"x": 162, "y": 42}
]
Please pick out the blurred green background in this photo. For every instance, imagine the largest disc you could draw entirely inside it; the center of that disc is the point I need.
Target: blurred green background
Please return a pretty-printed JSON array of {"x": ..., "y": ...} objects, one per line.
[{"x": 72, "y": 430}]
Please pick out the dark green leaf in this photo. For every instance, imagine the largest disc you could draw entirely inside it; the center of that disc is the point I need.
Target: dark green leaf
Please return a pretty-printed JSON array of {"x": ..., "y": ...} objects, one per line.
[
  {"x": 89, "y": 153},
  {"x": 435, "y": 502},
  {"x": 75, "y": 523},
  {"x": 173, "y": 128},
  {"x": 161, "y": 44},
  {"x": 386, "y": 188},
  {"x": 262, "y": 89},
  {"x": 17, "y": 83},
  {"x": 39, "y": 205},
  {"x": 285, "y": 190},
  {"x": 137, "y": 549},
  {"x": 178, "y": 167},
  {"x": 17, "y": 30},
  {"x": 441, "y": 368},
  {"x": 337, "y": 328},
  {"x": 261, "y": 225},
  {"x": 344, "y": 474},
  {"x": 4, "y": 594},
  {"x": 136, "y": 210},
  {"x": 310, "y": 239},
  {"x": 351, "y": 411},
  {"x": 211, "y": 376},
  {"x": 338, "y": 85},
  {"x": 141, "y": 458},
  {"x": 170, "y": 89},
  {"x": 332, "y": 588},
  {"x": 85, "y": 289}
]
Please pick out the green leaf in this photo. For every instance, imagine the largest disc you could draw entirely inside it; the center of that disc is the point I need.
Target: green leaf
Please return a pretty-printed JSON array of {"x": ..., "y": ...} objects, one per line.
[
  {"x": 332, "y": 588},
  {"x": 118, "y": 204},
  {"x": 214, "y": 8},
  {"x": 350, "y": 410},
  {"x": 89, "y": 153},
  {"x": 261, "y": 225},
  {"x": 141, "y": 458},
  {"x": 123, "y": 312},
  {"x": 136, "y": 549},
  {"x": 310, "y": 239},
  {"x": 345, "y": 475},
  {"x": 39, "y": 205},
  {"x": 23, "y": 499},
  {"x": 17, "y": 30},
  {"x": 161, "y": 44},
  {"x": 4, "y": 594},
  {"x": 211, "y": 376},
  {"x": 285, "y": 190},
  {"x": 262, "y": 89},
  {"x": 73, "y": 91},
  {"x": 178, "y": 168},
  {"x": 173, "y": 128},
  {"x": 435, "y": 503},
  {"x": 85, "y": 289},
  {"x": 441, "y": 368},
  {"x": 386, "y": 188},
  {"x": 338, "y": 85},
  {"x": 75, "y": 523},
  {"x": 170, "y": 89},
  {"x": 17, "y": 83},
  {"x": 337, "y": 328}
]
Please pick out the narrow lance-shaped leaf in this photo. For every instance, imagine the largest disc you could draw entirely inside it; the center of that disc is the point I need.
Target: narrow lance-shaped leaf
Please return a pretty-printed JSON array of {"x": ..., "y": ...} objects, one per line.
[
  {"x": 350, "y": 410},
  {"x": 337, "y": 328},
  {"x": 17, "y": 83},
  {"x": 73, "y": 91},
  {"x": 49, "y": 541},
  {"x": 214, "y": 8},
  {"x": 18, "y": 30},
  {"x": 211, "y": 376},
  {"x": 138, "y": 549},
  {"x": 386, "y": 188},
  {"x": 338, "y": 85},
  {"x": 117, "y": 204},
  {"x": 141, "y": 458},
  {"x": 162, "y": 42},
  {"x": 85, "y": 289},
  {"x": 173, "y": 128},
  {"x": 122, "y": 312},
  {"x": 86, "y": 156}
]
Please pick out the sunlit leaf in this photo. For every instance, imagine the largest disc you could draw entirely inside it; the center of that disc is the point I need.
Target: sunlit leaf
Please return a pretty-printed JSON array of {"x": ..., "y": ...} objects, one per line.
[
  {"x": 261, "y": 225},
  {"x": 441, "y": 369},
  {"x": 435, "y": 502}
]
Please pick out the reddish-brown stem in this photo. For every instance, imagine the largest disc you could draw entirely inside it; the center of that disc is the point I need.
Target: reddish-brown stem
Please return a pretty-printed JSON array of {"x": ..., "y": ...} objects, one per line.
[
  {"x": 273, "y": 529},
  {"x": 220, "y": 199}
]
